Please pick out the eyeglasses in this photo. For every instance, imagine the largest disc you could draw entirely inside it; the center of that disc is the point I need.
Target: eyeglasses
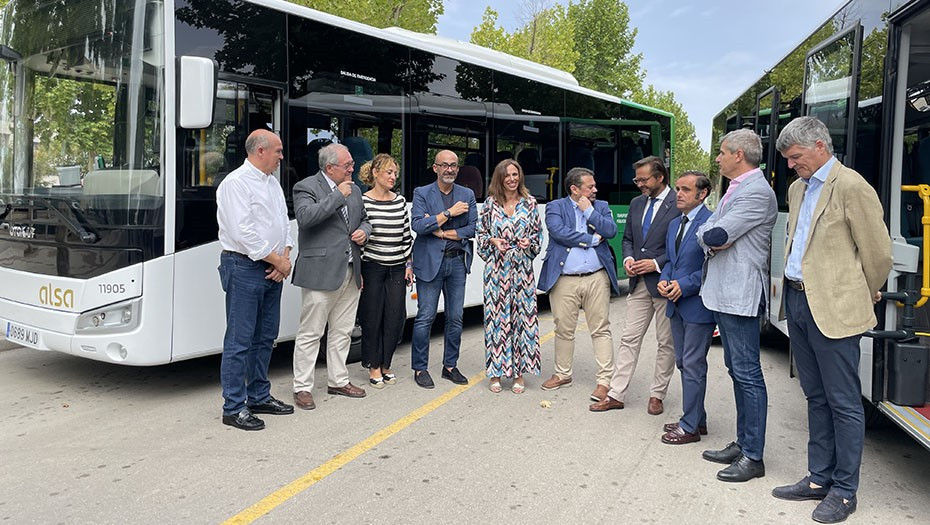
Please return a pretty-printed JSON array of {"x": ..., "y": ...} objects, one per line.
[
  {"x": 641, "y": 181},
  {"x": 347, "y": 166},
  {"x": 447, "y": 166}
]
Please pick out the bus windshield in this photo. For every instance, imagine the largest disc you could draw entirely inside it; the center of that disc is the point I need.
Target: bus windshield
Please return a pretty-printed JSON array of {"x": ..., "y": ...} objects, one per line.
[{"x": 80, "y": 98}]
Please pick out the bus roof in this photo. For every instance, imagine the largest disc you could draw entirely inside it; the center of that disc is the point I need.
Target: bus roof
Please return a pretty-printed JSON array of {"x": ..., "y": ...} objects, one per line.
[{"x": 464, "y": 51}]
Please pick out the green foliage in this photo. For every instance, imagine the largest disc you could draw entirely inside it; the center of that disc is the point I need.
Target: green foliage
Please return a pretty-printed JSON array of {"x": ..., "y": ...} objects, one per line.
[
  {"x": 604, "y": 42},
  {"x": 687, "y": 154},
  {"x": 547, "y": 38},
  {"x": 415, "y": 15}
]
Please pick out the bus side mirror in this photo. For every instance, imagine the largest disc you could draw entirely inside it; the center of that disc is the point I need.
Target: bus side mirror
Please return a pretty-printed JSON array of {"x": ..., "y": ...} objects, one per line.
[{"x": 196, "y": 91}]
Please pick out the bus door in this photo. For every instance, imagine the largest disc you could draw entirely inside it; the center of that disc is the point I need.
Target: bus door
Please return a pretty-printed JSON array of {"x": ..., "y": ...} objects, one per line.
[{"x": 206, "y": 156}]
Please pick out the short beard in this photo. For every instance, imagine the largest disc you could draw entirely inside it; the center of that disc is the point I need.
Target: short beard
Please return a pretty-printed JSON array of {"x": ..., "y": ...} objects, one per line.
[{"x": 448, "y": 179}]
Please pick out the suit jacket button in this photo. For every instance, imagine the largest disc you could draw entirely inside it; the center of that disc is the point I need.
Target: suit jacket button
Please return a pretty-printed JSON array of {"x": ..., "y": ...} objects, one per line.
[
  {"x": 561, "y": 264},
  {"x": 642, "y": 249},
  {"x": 568, "y": 249}
]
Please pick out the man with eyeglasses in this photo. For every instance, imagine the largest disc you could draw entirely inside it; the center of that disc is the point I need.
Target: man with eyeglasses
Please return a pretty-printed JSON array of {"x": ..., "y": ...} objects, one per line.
[
  {"x": 644, "y": 255},
  {"x": 333, "y": 226},
  {"x": 444, "y": 216}
]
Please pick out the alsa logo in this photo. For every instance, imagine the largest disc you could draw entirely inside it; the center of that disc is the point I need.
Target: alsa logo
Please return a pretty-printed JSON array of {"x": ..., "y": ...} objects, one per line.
[{"x": 56, "y": 296}]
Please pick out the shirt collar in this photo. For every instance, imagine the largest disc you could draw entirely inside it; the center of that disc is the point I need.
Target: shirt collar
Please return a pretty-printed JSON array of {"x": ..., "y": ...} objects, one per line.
[
  {"x": 822, "y": 172},
  {"x": 693, "y": 213},
  {"x": 254, "y": 170},
  {"x": 744, "y": 176}
]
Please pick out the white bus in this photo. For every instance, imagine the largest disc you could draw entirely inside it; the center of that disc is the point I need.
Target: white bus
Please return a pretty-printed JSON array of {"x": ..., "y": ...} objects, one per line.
[
  {"x": 118, "y": 118},
  {"x": 865, "y": 72}
]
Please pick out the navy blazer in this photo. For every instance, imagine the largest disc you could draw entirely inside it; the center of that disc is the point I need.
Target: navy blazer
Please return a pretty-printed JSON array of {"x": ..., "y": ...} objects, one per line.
[
  {"x": 560, "y": 222},
  {"x": 685, "y": 266},
  {"x": 427, "y": 248},
  {"x": 653, "y": 245}
]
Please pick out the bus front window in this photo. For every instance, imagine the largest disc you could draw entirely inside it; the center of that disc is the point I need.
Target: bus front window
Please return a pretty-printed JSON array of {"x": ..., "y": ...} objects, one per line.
[{"x": 80, "y": 98}]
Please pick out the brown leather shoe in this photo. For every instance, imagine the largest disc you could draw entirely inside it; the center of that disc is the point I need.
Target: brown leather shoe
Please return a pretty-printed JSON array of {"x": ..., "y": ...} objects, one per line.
[
  {"x": 304, "y": 400},
  {"x": 349, "y": 390},
  {"x": 599, "y": 394},
  {"x": 680, "y": 437},
  {"x": 668, "y": 427},
  {"x": 554, "y": 383},
  {"x": 608, "y": 403},
  {"x": 655, "y": 406}
]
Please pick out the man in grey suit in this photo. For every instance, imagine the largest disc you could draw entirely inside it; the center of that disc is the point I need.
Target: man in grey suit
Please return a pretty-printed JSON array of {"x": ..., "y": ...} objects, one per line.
[
  {"x": 643, "y": 258},
  {"x": 333, "y": 226},
  {"x": 736, "y": 239}
]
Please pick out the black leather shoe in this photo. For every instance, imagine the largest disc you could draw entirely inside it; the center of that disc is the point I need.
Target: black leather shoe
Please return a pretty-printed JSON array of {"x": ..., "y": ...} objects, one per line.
[
  {"x": 272, "y": 406},
  {"x": 244, "y": 420},
  {"x": 800, "y": 491},
  {"x": 833, "y": 510},
  {"x": 423, "y": 379},
  {"x": 743, "y": 469},
  {"x": 727, "y": 455},
  {"x": 454, "y": 375}
]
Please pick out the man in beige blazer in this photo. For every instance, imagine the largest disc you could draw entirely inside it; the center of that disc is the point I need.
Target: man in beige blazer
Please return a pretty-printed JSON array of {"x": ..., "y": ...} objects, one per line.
[{"x": 839, "y": 255}]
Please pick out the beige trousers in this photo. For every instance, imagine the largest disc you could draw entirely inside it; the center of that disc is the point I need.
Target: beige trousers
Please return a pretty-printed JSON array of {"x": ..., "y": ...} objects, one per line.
[
  {"x": 592, "y": 293},
  {"x": 640, "y": 309},
  {"x": 319, "y": 307}
]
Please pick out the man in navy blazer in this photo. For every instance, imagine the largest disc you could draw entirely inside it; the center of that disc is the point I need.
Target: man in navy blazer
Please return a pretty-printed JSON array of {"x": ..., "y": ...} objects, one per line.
[
  {"x": 692, "y": 323},
  {"x": 643, "y": 258},
  {"x": 579, "y": 272},
  {"x": 444, "y": 216}
]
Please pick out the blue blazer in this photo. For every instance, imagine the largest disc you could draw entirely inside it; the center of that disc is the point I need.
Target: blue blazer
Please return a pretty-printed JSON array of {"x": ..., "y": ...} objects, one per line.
[
  {"x": 560, "y": 222},
  {"x": 685, "y": 266},
  {"x": 427, "y": 248}
]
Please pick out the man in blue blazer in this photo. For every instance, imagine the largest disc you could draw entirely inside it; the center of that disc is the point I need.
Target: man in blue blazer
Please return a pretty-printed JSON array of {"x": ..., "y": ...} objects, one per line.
[
  {"x": 692, "y": 323},
  {"x": 444, "y": 216},
  {"x": 579, "y": 272}
]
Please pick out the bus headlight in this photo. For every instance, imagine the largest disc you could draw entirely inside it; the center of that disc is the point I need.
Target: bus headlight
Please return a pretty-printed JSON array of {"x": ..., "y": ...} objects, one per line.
[{"x": 117, "y": 317}]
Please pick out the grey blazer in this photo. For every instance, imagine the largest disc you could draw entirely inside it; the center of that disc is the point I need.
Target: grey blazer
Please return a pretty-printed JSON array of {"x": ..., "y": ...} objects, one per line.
[
  {"x": 323, "y": 243},
  {"x": 653, "y": 245},
  {"x": 735, "y": 279}
]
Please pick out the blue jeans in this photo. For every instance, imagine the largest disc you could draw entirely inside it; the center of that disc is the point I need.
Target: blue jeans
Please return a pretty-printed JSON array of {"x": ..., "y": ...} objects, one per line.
[
  {"x": 253, "y": 312},
  {"x": 740, "y": 335},
  {"x": 451, "y": 282},
  {"x": 829, "y": 374}
]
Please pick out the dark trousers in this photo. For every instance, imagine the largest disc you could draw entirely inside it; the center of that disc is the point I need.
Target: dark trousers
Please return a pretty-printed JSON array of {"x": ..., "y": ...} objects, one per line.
[
  {"x": 692, "y": 341},
  {"x": 740, "y": 336},
  {"x": 253, "y": 311},
  {"x": 829, "y": 374},
  {"x": 382, "y": 312}
]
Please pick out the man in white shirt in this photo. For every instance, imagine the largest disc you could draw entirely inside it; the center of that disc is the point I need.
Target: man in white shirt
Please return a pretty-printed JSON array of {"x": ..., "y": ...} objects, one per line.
[{"x": 254, "y": 234}]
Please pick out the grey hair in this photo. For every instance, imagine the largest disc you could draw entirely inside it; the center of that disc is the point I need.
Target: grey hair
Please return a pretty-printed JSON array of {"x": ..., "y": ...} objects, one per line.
[
  {"x": 329, "y": 155},
  {"x": 573, "y": 177},
  {"x": 255, "y": 141},
  {"x": 746, "y": 140},
  {"x": 804, "y": 132}
]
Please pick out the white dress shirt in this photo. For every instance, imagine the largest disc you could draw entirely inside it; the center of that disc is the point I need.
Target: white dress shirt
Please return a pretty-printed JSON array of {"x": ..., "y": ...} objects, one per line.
[{"x": 252, "y": 214}]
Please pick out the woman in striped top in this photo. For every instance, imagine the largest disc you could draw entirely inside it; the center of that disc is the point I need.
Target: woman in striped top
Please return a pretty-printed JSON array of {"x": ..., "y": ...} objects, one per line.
[{"x": 385, "y": 269}]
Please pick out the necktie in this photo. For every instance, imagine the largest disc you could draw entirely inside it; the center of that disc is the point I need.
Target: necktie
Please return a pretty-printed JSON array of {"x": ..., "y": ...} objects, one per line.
[
  {"x": 345, "y": 214},
  {"x": 681, "y": 232},
  {"x": 647, "y": 220}
]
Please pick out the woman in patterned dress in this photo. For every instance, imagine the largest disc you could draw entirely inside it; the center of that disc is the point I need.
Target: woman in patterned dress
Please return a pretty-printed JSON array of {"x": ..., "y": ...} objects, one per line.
[
  {"x": 508, "y": 241},
  {"x": 385, "y": 269}
]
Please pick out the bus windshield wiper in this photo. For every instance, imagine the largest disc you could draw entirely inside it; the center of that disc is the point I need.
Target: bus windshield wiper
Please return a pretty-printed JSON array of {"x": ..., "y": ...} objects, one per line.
[{"x": 76, "y": 224}]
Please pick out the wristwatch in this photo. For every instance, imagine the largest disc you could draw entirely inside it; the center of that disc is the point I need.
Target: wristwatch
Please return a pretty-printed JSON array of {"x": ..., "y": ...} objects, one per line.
[{"x": 447, "y": 213}]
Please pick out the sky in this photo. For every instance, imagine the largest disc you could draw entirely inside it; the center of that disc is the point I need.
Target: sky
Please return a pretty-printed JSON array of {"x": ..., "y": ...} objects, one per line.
[{"x": 707, "y": 53}]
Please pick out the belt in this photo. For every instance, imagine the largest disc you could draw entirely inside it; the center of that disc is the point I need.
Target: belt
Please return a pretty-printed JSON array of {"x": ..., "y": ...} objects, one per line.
[
  {"x": 797, "y": 285},
  {"x": 230, "y": 252},
  {"x": 584, "y": 274},
  {"x": 452, "y": 253}
]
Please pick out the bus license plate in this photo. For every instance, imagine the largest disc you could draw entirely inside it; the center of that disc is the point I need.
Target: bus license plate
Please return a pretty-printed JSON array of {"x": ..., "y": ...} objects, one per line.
[{"x": 22, "y": 335}]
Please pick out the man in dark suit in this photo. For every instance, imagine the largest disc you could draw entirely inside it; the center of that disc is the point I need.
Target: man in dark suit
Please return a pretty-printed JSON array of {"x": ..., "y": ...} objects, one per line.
[
  {"x": 444, "y": 216},
  {"x": 578, "y": 272},
  {"x": 692, "y": 323},
  {"x": 643, "y": 258},
  {"x": 333, "y": 226}
]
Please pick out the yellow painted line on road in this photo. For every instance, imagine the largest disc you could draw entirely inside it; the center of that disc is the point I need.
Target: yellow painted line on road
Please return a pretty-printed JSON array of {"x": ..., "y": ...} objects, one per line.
[{"x": 273, "y": 500}]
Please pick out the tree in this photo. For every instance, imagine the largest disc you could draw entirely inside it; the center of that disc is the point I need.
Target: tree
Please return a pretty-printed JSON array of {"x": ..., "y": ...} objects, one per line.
[
  {"x": 688, "y": 154},
  {"x": 547, "y": 36},
  {"x": 415, "y": 15},
  {"x": 604, "y": 42}
]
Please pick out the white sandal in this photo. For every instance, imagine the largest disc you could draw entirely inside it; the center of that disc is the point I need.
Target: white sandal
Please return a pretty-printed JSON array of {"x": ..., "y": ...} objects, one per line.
[
  {"x": 494, "y": 385},
  {"x": 518, "y": 388}
]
